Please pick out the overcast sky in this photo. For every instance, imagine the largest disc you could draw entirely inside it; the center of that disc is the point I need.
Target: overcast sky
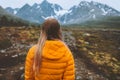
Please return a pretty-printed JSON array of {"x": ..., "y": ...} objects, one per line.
[{"x": 66, "y": 4}]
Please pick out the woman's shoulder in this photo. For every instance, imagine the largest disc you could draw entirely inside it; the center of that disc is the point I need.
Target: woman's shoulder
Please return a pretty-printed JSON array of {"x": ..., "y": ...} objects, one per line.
[
  {"x": 33, "y": 47},
  {"x": 31, "y": 50}
]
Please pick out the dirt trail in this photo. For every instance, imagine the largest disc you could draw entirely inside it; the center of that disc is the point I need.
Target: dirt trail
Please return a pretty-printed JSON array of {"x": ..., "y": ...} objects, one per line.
[{"x": 82, "y": 72}]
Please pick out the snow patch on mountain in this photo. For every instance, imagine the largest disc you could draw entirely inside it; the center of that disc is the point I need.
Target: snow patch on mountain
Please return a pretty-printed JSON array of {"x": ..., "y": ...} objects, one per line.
[
  {"x": 104, "y": 12},
  {"x": 61, "y": 12},
  {"x": 94, "y": 16},
  {"x": 48, "y": 17},
  {"x": 15, "y": 12},
  {"x": 92, "y": 10}
]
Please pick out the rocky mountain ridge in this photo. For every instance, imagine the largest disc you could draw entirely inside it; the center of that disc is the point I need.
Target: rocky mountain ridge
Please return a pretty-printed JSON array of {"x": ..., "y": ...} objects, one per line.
[{"x": 82, "y": 12}]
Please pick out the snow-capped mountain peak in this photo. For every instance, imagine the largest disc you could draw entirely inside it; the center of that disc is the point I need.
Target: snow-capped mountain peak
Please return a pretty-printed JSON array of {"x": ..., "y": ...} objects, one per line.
[
  {"x": 84, "y": 3},
  {"x": 88, "y": 10}
]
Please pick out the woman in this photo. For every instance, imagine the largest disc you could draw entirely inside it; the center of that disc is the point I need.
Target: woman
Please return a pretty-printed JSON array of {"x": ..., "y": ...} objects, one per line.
[{"x": 50, "y": 59}]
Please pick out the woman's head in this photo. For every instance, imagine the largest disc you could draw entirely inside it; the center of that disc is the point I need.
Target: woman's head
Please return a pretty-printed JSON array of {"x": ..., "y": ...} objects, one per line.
[{"x": 51, "y": 28}]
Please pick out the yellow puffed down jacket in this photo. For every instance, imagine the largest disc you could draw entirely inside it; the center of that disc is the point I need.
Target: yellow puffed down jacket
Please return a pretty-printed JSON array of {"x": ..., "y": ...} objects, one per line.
[{"x": 57, "y": 62}]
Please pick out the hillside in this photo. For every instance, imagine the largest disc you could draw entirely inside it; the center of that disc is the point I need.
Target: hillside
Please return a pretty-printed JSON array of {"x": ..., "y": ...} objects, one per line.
[
  {"x": 105, "y": 22},
  {"x": 108, "y": 22},
  {"x": 7, "y": 19}
]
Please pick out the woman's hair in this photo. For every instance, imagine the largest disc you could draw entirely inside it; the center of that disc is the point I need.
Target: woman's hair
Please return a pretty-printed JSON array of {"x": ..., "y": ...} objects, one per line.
[{"x": 50, "y": 30}]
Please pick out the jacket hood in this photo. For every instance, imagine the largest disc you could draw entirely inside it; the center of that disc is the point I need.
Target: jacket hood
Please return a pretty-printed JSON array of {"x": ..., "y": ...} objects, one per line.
[{"x": 54, "y": 49}]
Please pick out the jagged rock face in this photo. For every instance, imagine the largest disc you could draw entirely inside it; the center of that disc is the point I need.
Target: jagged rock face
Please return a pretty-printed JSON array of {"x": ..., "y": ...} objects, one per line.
[
  {"x": 76, "y": 14},
  {"x": 87, "y": 11},
  {"x": 37, "y": 12}
]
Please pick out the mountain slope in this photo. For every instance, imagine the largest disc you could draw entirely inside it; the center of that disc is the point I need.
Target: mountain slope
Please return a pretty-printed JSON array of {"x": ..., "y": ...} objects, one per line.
[
  {"x": 12, "y": 11},
  {"x": 38, "y": 12},
  {"x": 104, "y": 22},
  {"x": 87, "y": 11},
  {"x": 7, "y": 19}
]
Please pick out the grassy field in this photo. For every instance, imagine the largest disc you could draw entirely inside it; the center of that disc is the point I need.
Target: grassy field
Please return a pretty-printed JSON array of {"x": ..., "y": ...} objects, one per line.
[{"x": 96, "y": 50}]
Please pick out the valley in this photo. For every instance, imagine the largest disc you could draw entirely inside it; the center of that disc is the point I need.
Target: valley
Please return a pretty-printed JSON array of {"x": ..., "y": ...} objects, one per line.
[{"x": 96, "y": 51}]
